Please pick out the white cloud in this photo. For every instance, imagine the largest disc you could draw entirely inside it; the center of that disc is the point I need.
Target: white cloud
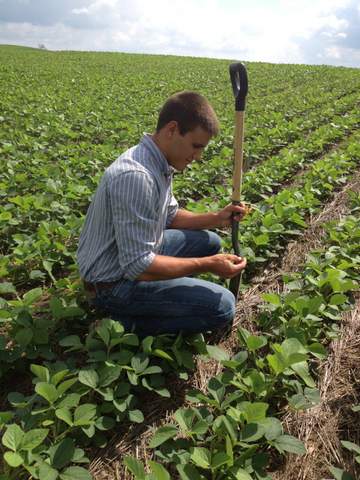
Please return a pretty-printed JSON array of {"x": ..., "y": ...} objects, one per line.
[{"x": 290, "y": 31}]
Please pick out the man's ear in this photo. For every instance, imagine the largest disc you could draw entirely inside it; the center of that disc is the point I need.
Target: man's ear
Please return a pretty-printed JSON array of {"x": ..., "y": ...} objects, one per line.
[{"x": 171, "y": 128}]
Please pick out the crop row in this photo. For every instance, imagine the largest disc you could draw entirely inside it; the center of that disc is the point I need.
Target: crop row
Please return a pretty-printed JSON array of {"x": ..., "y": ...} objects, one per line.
[
  {"x": 259, "y": 146},
  {"x": 230, "y": 431},
  {"x": 215, "y": 174},
  {"x": 271, "y": 136},
  {"x": 83, "y": 117},
  {"x": 41, "y": 246}
]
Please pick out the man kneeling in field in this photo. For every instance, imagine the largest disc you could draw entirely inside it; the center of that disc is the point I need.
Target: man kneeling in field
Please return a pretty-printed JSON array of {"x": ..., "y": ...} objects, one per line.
[{"x": 138, "y": 252}]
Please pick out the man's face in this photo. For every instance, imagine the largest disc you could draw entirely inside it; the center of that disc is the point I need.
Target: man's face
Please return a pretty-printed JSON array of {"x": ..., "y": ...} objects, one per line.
[{"x": 186, "y": 148}]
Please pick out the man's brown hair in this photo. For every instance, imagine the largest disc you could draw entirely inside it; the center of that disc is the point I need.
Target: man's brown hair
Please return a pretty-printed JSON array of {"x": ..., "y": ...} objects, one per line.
[{"x": 189, "y": 110}]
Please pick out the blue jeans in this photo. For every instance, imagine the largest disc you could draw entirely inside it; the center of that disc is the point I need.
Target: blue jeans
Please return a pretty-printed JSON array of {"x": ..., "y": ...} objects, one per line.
[{"x": 183, "y": 304}]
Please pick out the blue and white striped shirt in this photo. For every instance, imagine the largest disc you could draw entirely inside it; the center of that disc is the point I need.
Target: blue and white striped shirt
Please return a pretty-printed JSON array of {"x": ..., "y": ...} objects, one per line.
[{"x": 129, "y": 212}]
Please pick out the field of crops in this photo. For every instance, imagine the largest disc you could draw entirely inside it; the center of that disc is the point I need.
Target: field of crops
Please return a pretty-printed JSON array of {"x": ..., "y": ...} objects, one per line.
[{"x": 82, "y": 399}]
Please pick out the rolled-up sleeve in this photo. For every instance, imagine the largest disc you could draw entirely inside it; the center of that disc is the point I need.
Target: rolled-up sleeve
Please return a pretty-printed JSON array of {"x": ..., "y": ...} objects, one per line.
[
  {"x": 172, "y": 209},
  {"x": 134, "y": 200}
]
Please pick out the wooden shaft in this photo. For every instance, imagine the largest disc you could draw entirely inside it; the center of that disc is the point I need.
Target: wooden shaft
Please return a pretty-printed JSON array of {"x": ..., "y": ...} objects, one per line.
[{"x": 238, "y": 160}]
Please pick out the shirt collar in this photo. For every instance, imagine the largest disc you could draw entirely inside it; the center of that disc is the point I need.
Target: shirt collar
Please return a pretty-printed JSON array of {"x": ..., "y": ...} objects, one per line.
[{"x": 163, "y": 164}]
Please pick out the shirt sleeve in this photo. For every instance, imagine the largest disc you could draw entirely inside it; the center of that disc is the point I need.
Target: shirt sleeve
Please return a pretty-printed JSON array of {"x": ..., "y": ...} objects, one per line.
[
  {"x": 134, "y": 200},
  {"x": 172, "y": 209}
]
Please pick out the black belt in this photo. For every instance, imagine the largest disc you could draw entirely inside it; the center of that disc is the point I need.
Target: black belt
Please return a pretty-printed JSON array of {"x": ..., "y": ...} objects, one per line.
[{"x": 95, "y": 287}]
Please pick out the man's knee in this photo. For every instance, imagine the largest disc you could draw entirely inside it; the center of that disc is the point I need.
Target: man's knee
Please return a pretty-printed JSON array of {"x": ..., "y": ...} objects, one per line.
[
  {"x": 214, "y": 243},
  {"x": 225, "y": 311}
]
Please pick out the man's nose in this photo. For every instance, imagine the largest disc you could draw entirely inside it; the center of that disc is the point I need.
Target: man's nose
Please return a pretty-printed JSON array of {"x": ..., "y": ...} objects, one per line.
[{"x": 197, "y": 155}]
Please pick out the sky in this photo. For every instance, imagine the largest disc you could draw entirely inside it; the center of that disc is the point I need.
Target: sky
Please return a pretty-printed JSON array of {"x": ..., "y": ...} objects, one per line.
[{"x": 276, "y": 31}]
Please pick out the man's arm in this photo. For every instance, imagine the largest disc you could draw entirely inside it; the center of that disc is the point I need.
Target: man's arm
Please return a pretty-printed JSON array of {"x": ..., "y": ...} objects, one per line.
[
  {"x": 199, "y": 221},
  {"x": 164, "y": 267}
]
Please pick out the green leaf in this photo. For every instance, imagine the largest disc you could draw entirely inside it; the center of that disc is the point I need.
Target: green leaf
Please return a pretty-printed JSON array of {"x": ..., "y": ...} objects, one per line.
[
  {"x": 159, "y": 471},
  {"x": 6, "y": 287},
  {"x": 71, "y": 341},
  {"x": 184, "y": 417},
  {"x": 139, "y": 362},
  {"x": 12, "y": 437},
  {"x": 33, "y": 438},
  {"x": 255, "y": 411},
  {"x": 32, "y": 296},
  {"x": 5, "y": 417},
  {"x": 64, "y": 414},
  {"x": 252, "y": 432},
  {"x": 288, "y": 443},
  {"x": 17, "y": 399},
  {"x": 200, "y": 427},
  {"x": 47, "y": 391},
  {"x": 217, "y": 353},
  {"x": 108, "y": 375},
  {"x": 255, "y": 342},
  {"x": 161, "y": 354},
  {"x": 226, "y": 425},
  {"x": 103, "y": 331},
  {"x": 153, "y": 369},
  {"x": 338, "y": 299},
  {"x": 189, "y": 472},
  {"x": 24, "y": 336},
  {"x": 216, "y": 389},
  {"x": 135, "y": 467},
  {"x": 262, "y": 239},
  {"x": 273, "y": 427},
  {"x": 57, "y": 377},
  {"x": 65, "y": 385},
  {"x": 104, "y": 423},
  {"x": 163, "y": 434},
  {"x": 89, "y": 377},
  {"x": 147, "y": 344},
  {"x": 201, "y": 457},
  {"x": 351, "y": 446},
  {"x": 41, "y": 372},
  {"x": 71, "y": 400},
  {"x": 241, "y": 474},
  {"x": 84, "y": 414},
  {"x": 272, "y": 298},
  {"x": 219, "y": 459},
  {"x": 13, "y": 459},
  {"x": 318, "y": 350},
  {"x": 340, "y": 474},
  {"x": 77, "y": 473},
  {"x": 291, "y": 347},
  {"x": 276, "y": 363},
  {"x": 302, "y": 370},
  {"x": 62, "y": 453},
  {"x": 136, "y": 416},
  {"x": 47, "y": 473},
  {"x": 256, "y": 381}
]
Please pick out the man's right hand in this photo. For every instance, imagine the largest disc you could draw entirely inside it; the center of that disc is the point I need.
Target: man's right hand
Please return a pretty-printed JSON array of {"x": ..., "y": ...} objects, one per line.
[
  {"x": 163, "y": 267},
  {"x": 226, "y": 265}
]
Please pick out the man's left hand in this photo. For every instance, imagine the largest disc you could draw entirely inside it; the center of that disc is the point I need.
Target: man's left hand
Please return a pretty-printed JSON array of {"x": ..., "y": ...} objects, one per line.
[{"x": 224, "y": 215}]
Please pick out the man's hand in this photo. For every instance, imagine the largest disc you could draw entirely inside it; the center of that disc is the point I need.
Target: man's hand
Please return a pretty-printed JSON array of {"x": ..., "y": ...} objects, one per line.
[
  {"x": 226, "y": 265},
  {"x": 224, "y": 215},
  {"x": 163, "y": 267}
]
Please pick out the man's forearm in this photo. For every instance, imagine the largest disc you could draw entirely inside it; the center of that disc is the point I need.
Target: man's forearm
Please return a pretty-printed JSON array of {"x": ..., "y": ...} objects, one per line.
[
  {"x": 164, "y": 267},
  {"x": 194, "y": 221},
  {"x": 224, "y": 265}
]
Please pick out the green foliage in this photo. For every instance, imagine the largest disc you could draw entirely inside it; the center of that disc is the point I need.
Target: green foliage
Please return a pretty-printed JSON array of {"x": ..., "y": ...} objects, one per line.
[{"x": 58, "y": 133}]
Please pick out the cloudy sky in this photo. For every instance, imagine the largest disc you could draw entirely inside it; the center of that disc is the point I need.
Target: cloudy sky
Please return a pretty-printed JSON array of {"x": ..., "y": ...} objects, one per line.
[{"x": 280, "y": 31}]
